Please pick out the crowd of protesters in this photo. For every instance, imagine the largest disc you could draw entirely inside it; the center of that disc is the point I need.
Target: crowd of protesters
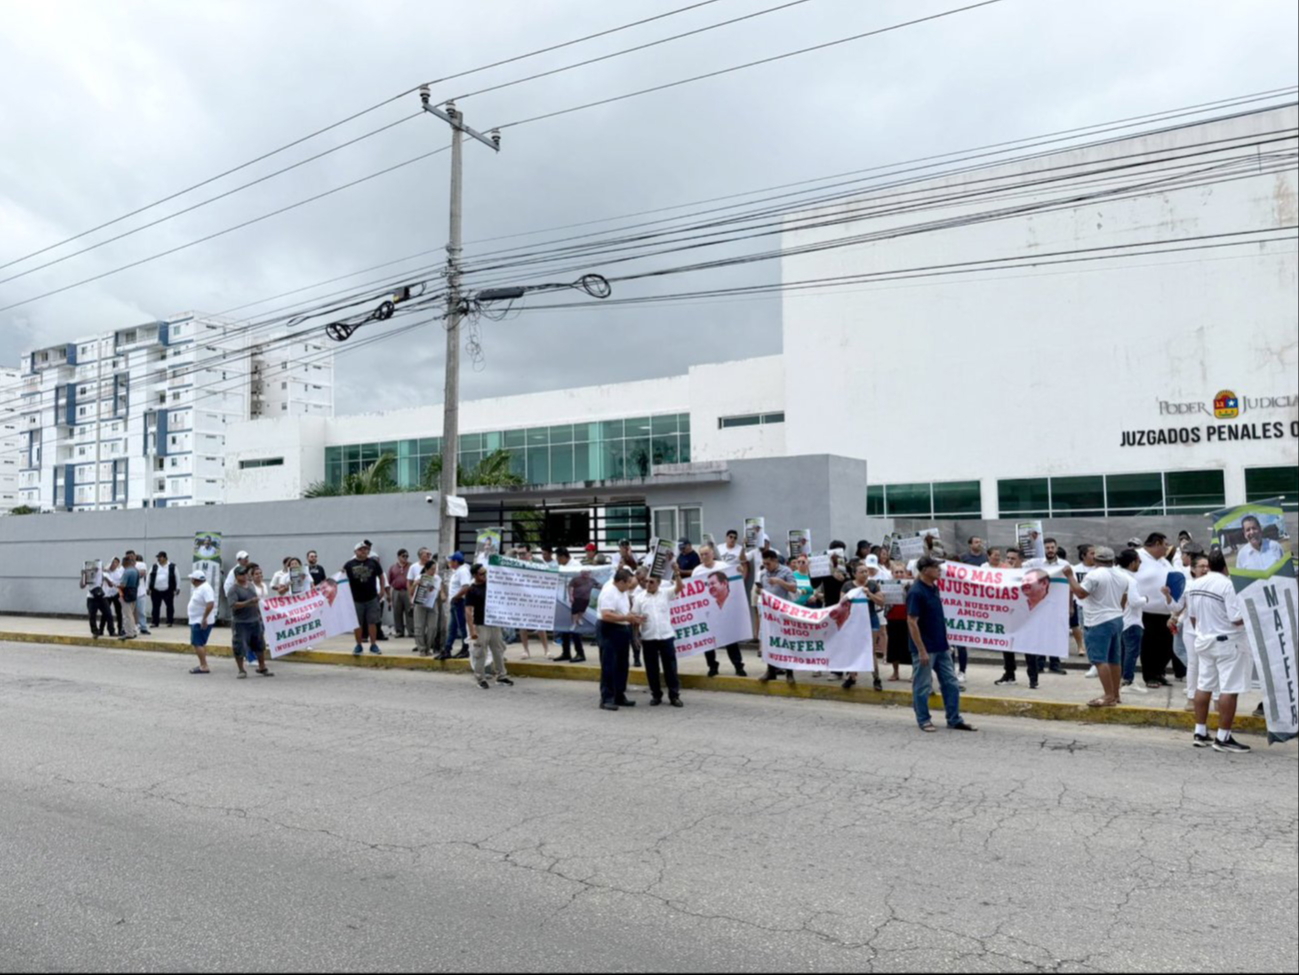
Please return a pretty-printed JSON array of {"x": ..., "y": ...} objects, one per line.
[{"x": 1127, "y": 608}]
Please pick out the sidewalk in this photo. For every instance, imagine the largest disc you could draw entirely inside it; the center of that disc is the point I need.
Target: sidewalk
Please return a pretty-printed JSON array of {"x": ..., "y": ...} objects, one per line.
[{"x": 1060, "y": 697}]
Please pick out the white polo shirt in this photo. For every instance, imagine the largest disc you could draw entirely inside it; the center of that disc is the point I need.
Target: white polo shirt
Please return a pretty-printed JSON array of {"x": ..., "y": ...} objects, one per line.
[
  {"x": 1152, "y": 576},
  {"x": 657, "y": 612},
  {"x": 613, "y": 600},
  {"x": 1212, "y": 602}
]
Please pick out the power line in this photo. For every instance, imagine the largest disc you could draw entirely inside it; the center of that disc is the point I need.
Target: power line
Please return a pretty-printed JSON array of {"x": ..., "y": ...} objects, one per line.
[{"x": 750, "y": 64}]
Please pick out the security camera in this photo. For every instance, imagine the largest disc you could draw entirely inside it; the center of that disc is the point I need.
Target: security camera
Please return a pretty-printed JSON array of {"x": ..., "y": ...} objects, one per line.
[{"x": 430, "y": 499}]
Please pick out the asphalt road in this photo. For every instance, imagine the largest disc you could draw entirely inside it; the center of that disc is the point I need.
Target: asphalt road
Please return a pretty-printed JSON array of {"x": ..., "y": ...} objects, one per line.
[{"x": 331, "y": 818}]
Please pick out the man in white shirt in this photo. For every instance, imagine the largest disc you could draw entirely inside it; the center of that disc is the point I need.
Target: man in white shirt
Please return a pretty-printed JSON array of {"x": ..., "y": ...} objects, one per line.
[
  {"x": 1133, "y": 629},
  {"x": 1225, "y": 660},
  {"x": 658, "y": 638},
  {"x": 1157, "y": 638},
  {"x": 1102, "y": 594},
  {"x": 1086, "y": 562},
  {"x": 1259, "y": 554},
  {"x": 201, "y": 614},
  {"x": 461, "y": 581},
  {"x": 614, "y": 634}
]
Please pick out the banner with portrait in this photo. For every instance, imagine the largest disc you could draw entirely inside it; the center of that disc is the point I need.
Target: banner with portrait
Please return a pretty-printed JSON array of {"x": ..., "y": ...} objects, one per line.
[
  {"x": 1015, "y": 610},
  {"x": 1260, "y": 558},
  {"x": 576, "y": 597},
  {"x": 296, "y": 622},
  {"x": 207, "y": 557},
  {"x": 711, "y": 611},
  {"x": 838, "y": 639}
]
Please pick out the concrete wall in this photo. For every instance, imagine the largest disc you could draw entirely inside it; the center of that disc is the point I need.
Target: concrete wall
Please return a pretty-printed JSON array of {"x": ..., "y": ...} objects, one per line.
[{"x": 41, "y": 555}]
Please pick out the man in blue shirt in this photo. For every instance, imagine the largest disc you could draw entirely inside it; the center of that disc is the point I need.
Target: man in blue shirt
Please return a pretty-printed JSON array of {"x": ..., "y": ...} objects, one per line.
[
  {"x": 929, "y": 648},
  {"x": 130, "y": 589}
]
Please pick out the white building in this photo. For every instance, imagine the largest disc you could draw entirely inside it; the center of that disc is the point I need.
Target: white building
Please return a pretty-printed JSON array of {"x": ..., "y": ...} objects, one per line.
[
  {"x": 9, "y": 440},
  {"x": 1057, "y": 366},
  {"x": 139, "y": 417}
]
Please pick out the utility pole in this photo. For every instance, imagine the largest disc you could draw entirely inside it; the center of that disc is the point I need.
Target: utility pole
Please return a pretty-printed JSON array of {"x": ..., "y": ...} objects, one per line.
[{"x": 447, "y": 535}]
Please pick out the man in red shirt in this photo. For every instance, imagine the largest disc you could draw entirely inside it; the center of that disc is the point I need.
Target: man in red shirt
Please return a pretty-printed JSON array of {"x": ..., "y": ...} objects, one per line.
[{"x": 403, "y": 611}]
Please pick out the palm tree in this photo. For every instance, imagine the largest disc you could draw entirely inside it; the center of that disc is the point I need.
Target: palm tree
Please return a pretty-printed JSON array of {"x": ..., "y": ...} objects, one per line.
[
  {"x": 375, "y": 479},
  {"x": 492, "y": 471}
]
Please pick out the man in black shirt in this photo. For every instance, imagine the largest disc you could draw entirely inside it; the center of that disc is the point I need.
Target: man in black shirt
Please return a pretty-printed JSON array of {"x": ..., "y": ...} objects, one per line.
[
  {"x": 484, "y": 638},
  {"x": 362, "y": 573},
  {"x": 314, "y": 568}
]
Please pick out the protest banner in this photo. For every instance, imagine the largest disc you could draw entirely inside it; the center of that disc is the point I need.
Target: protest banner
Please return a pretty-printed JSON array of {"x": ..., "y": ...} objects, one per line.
[
  {"x": 710, "y": 611},
  {"x": 207, "y": 556},
  {"x": 1030, "y": 540},
  {"x": 91, "y": 576},
  {"x": 820, "y": 566},
  {"x": 836, "y": 639},
  {"x": 520, "y": 595},
  {"x": 662, "y": 555},
  {"x": 1260, "y": 558},
  {"x": 800, "y": 542},
  {"x": 755, "y": 532},
  {"x": 486, "y": 544},
  {"x": 1015, "y": 610},
  {"x": 910, "y": 548},
  {"x": 296, "y": 622}
]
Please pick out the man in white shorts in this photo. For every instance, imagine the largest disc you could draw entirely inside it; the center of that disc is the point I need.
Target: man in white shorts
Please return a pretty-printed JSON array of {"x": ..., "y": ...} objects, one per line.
[{"x": 1223, "y": 653}]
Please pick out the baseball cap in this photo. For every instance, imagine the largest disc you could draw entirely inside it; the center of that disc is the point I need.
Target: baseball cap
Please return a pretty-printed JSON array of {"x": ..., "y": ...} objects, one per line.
[
  {"x": 458, "y": 557},
  {"x": 927, "y": 562},
  {"x": 590, "y": 546},
  {"x": 1134, "y": 542},
  {"x": 198, "y": 574},
  {"x": 358, "y": 546},
  {"x": 241, "y": 570},
  {"x": 685, "y": 541},
  {"x": 872, "y": 562},
  {"x": 241, "y": 555},
  {"x": 1104, "y": 553}
]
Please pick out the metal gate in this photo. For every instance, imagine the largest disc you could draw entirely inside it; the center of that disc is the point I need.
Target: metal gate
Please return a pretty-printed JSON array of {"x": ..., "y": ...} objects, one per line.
[{"x": 570, "y": 525}]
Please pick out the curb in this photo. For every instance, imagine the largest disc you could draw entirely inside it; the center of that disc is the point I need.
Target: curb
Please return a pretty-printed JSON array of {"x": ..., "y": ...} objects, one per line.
[{"x": 1042, "y": 710}]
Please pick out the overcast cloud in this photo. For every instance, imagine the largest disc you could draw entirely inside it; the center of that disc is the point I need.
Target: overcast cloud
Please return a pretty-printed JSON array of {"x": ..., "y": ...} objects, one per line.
[{"x": 108, "y": 107}]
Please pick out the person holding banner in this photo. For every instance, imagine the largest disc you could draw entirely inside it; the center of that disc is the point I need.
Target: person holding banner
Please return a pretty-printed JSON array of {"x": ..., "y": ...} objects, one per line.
[
  {"x": 1225, "y": 659},
  {"x": 614, "y": 635},
  {"x": 484, "y": 637},
  {"x": 868, "y": 589},
  {"x": 778, "y": 580},
  {"x": 930, "y": 651},
  {"x": 719, "y": 588},
  {"x": 658, "y": 637}
]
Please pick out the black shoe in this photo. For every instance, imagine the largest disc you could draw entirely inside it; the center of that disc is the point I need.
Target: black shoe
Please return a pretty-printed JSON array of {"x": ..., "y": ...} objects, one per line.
[
  {"x": 505, "y": 680},
  {"x": 1033, "y": 686},
  {"x": 1203, "y": 741},
  {"x": 626, "y": 702},
  {"x": 713, "y": 671},
  {"x": 877, "y": 684},
  {"x": 741, "y": 672},
  {"x": 579, "y": 660},
  {"x": 850, "y": 683},
  {"x": 1006, "y": 679},
  {"x": 676, "y": 702},
  {"x": 462, "y": 655},
  {"x": 443, "y": 656},
  {"x": 636, "y": 662},
  {"x": 566, "y": 659},
  {"x": 1258, "y": 711},
  {"x": 764, "y": 679},
  {"x": 608, "y": 707},
  {"x": 484, "y": 685},
  {"x": 656, "y": 702},
  {"x": 789, "y": 677},
  {"x": 1231, "y": 745}
]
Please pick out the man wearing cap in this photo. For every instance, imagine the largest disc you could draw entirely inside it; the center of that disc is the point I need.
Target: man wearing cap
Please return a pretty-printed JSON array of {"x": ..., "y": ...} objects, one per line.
[
  {"x": 1225, "y": 660},
  {"x": 162, "y": 589},
  {"x": 458, "y": 588},
  {"x": 930, "y": 650},
  {"x": 366, "y": 580},
  {"x": 1103, "y": 595},
  {"x": 687, "y": 557},
  {"x": 247, "y": 640},
  {"x": 201, "y": 614}
]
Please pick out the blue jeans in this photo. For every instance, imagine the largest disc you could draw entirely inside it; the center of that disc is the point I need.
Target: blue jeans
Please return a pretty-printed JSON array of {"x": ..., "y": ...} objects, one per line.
[
  {"x": 1132, "y": 637},
  {"x": 1179, "y": 646},
  {"x": 922, "y": 684},
  {"x": 1104, "y": 643},
  {"x": 141, "y": 618},
  {"x": 456, "y": 624}
]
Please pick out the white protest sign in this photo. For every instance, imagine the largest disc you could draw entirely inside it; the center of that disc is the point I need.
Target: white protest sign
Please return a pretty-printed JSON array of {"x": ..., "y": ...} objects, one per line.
[
  {"x": 710, "y": 612},
  {"x": 796, "y": 638},
  {"x": 520, "y": 595},
  {"x": 1016, "y": 610},
  {"x": 457, "y": 507},
  {"x": 911, "y": 548},
  {"x": 296, "y": 622},
  {"x": 820, "y": 566},
  {"x": 894, "y": 592}
]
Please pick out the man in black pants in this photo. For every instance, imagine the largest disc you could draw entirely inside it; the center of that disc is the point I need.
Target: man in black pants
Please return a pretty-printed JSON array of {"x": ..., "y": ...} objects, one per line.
[
  {"x": 614, "y": 634},
  {"x": 659, "y": 638},
  {"x": 97, "y": 605},
  {"x": 1157, "y": 638},
  {"x": 162, "y": 588},
  {"x": 579, "y": 600}
]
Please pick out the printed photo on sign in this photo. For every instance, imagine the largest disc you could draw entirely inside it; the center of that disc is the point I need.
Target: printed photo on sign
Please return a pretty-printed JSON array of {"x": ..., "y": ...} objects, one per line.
[
  {"x": 207, "y": 547},
  {"x": 800, "y": 542},
  {"x": 487, "y": 544},
  {"x": 1029, "y": 540},
  {"x": 577, "y": 595},
  {"x": 755, "y": 531},
  {"x": 1255, "y": 541},
  {"x": 710, "y": 611},
  {"x": 1016, "y": 610},
  {"x": 662, "y": 555}
]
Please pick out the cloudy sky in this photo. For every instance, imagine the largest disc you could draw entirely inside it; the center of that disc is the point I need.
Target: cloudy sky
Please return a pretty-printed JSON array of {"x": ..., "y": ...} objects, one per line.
[{"x": 109, "y": 107}]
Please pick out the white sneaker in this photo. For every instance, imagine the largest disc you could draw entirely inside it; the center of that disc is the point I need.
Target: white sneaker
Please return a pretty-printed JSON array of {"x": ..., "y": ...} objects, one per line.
[
  {"x": 960, "y": 679},
  {"x": 1136, "y": 686},
  {"x": 1091, "y": 673}
]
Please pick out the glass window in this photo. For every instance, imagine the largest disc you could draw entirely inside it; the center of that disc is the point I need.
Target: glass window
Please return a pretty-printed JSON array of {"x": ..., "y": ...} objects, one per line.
[
  {"x": 875, "y": 501},
  {"x": 908, "y": 499},
  {"x": 582, "y": 432},
  {"x": 471, "y": 441},
  {"x": 1026, "y": 496},
  {"x": 352, "y": 451},
  {"x": 562, "y": 434},
  {"x": 408, "y": 471},
  {"x": 773, "y": 418},
  {"x": 492, "y": 442},
  {"x": 561, "y": 463},
  {"x": 727, "y": 422},
  {"x": 1078, "y": 495},
  {"x": 665, "y": 523},
  {"x": 683, "y": 449},
  {"x": 638, "y": 457},
  {"x": 683, "y": 422},
  {"x": 539, "y": 465},
  {"x": 388, "y": 448},
  {"x": 582, "y": 462},
  {"x": 692, "y": 524},
  {"x": 514, "y": 438},
  {"x": 519, "y": 463},
  {"x": 665, "y": 450},
  {"x": 1194, "y": 492},
  {"x": 1264, "y": 483},
  {"x": 611, "y": 460},
  {"x": 958, "y": 499},
  {"x": 539, "y": 436},
  {"x": 660, "y": 425},
  {"x": 1135, "y": 494},
  {"x": 637, "y": 427},
  {"x": 611, "y": 429},
  {"x": 428, "y": 446}
]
